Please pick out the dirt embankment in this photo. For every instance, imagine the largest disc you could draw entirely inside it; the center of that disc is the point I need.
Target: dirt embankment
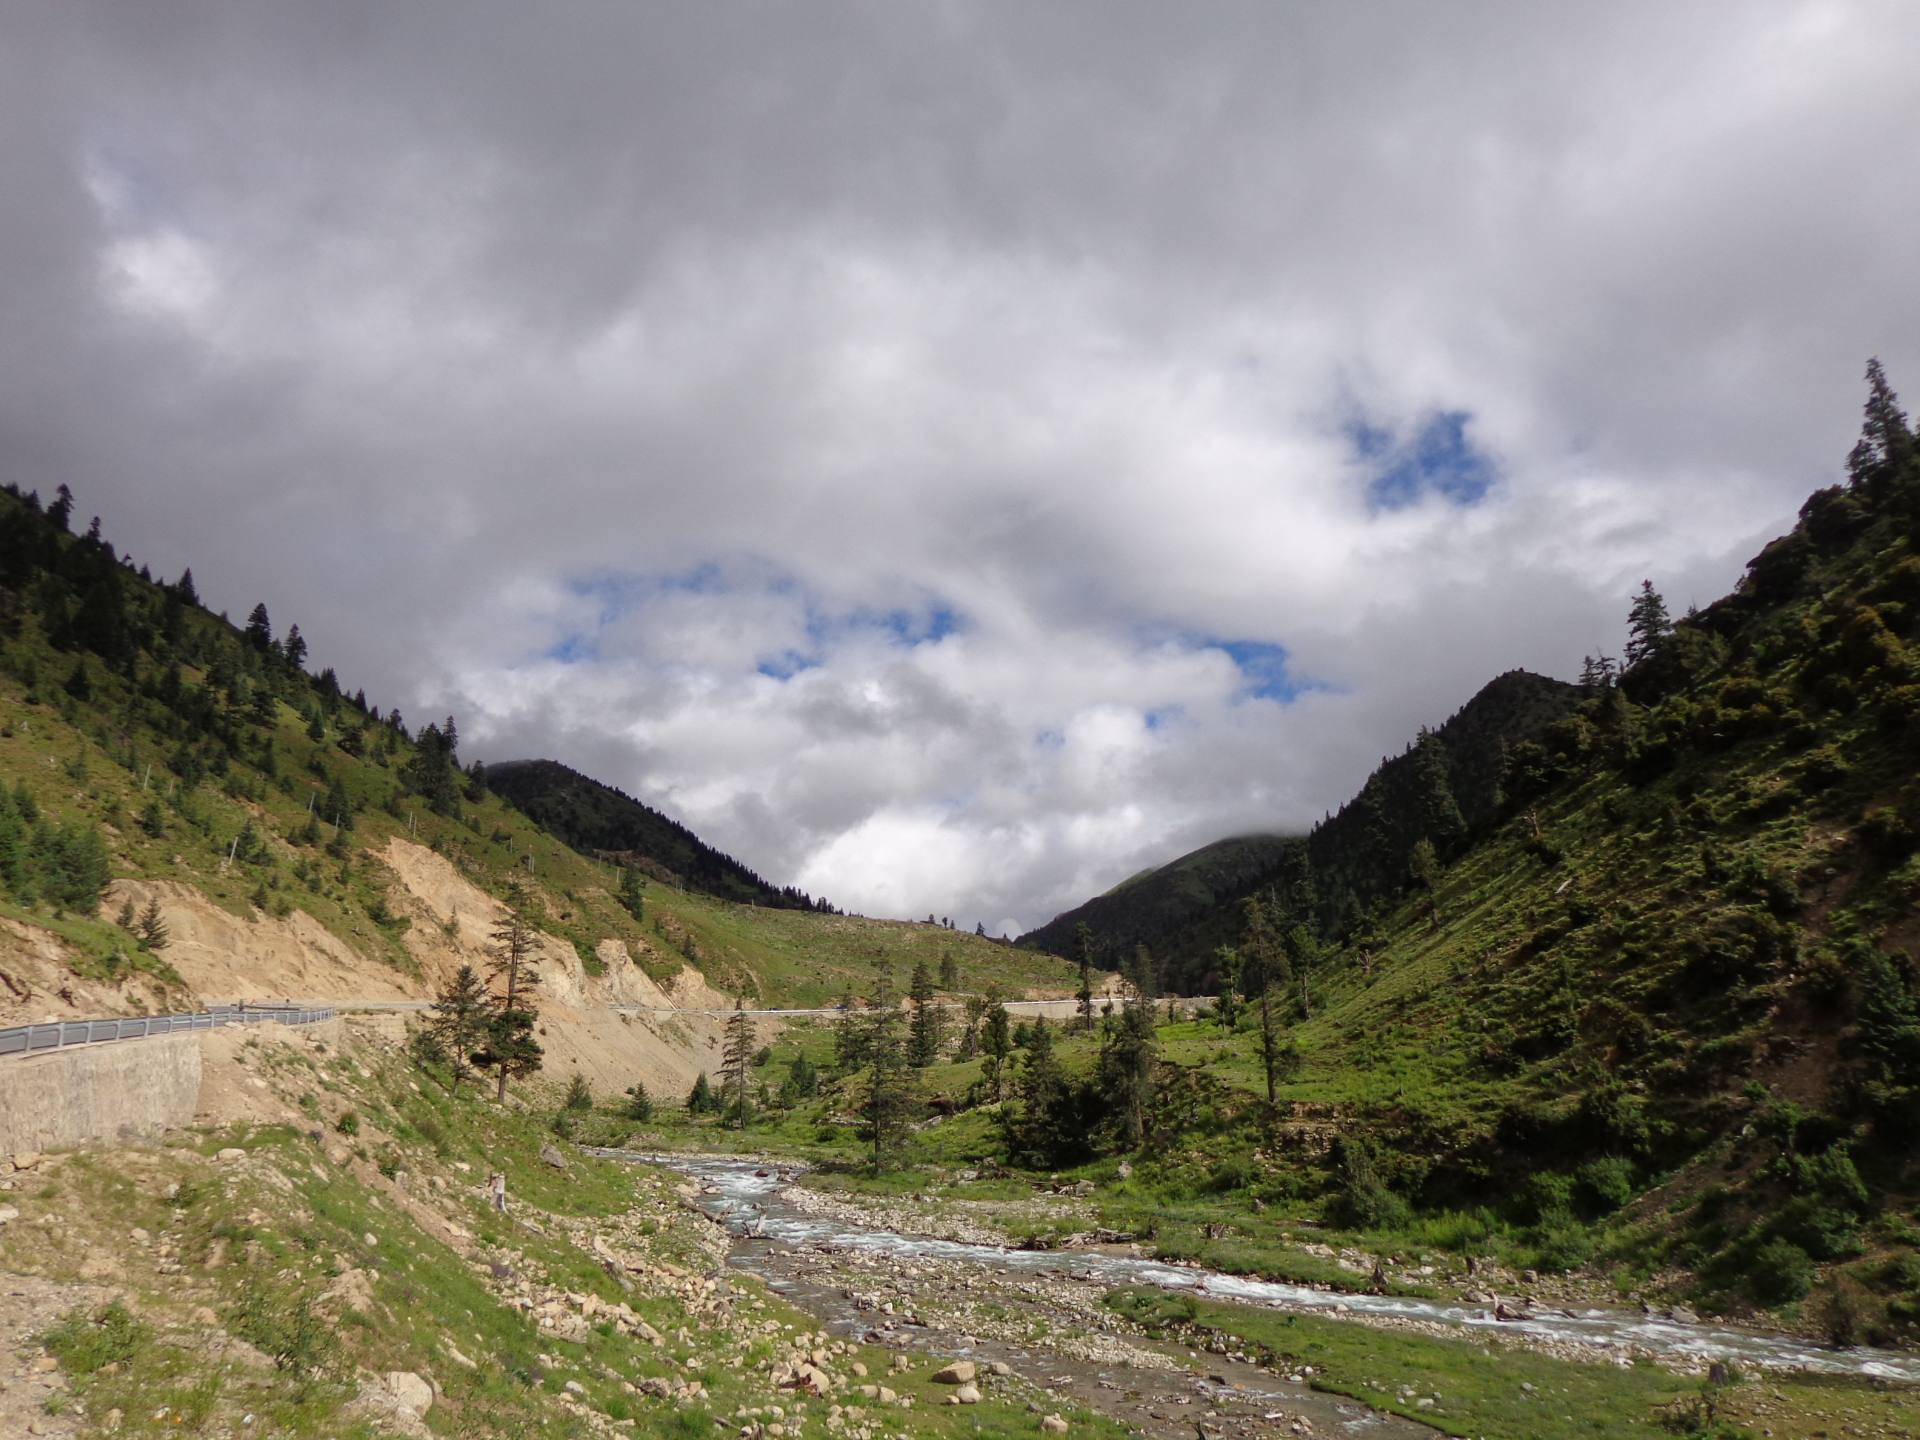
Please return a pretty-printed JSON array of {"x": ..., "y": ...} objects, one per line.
[{"x": 223, "y": 957}]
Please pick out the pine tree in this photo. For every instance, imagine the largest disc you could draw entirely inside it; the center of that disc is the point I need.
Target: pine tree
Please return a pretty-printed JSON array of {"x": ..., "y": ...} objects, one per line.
[
  {"x": 151, "y": 927},
  {"x": 1439, "y": 812},
  {"x": 736, "y": 1064},
  {"x": 1043, "y": 1128},
  {"x": 949, "y": 972},
  {"x": 633, "y": 891},
  {"x": 802, "y": 1082},
  {"x": 700, "y": 1099},
  {"x": 259, "y": 632},
  {"x": 579, "y": 1095},
  {"x": 1263, "y": 971},
  {"x": 295, "y": 649},
  {"x": 1083, "y": 948},
  {"x": 339, "y": 806},
  {"x": 887, "y": 1104},
  {"x": 1886, "y": 445},
  {"x": 183, "y": 587},
  {"x": 849, "y": 1039},
  {"x": 996, "y": 1044},
  {"x": 60, "y": 512},
  {"x": 460, "y": 1020},
  {"x": 1648, "y": 625},
  {"x": 1226, "y": 961},
  {"x": 1304, "y": 953},
  {"x": 511, "y": 1048},
  {"x": 1126, "y": 1061},
  {"x": 1424, "y": 868},
  {"x": 639, "y": 1104},
  {"x": 923, "y": 1040}
]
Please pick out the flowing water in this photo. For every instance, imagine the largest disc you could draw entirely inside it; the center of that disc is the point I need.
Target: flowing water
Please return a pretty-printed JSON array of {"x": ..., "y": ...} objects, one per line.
[{"x": 746, "y": 1196}]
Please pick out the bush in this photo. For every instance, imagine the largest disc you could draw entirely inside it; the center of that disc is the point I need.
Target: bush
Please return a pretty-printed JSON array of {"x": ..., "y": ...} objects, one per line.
[
  {"x": 1780, "y": 1272},
  {"x": 1548, "y": 1196},
  {"x": 85, "y": 1343},
  {"x": 1236, "y": 1172},
  {"x": 1563, "y": 1244},
  {"x": 1362, "y": 1201},
  {"x": 285, "y": 1326},
  {"x": 1604, "y": 1185}
]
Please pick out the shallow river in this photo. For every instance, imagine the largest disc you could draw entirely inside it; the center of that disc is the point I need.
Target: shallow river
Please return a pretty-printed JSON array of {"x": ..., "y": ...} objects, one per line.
[{"x": 745, "y": 1195}]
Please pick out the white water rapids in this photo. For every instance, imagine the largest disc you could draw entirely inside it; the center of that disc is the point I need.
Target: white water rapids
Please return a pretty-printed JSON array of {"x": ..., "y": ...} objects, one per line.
[{"x": 746, "y": 1198}]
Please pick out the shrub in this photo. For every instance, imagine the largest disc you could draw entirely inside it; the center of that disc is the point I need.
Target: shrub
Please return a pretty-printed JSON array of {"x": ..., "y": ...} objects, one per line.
[
  {"x": 84, "y": 1343},
  {"x": 1780, "y": 1272},
  {"x": 1604, "y": 1185},
  {"x": 1236, "y": 1172},
  {"x": 1563, "y": 1244},
  {"x": 1362, "y": 1200},
  {"x": 1886, "y": 832},
  {"x": 1547, "y": 1196},
  {"x": 285, "y": 1326}
]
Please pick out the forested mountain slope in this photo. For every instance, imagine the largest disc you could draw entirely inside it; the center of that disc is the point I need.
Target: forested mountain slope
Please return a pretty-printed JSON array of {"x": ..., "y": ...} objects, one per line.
[
  {"x": 1445, "y": 785},
  {"x": 602, "y": 821}
]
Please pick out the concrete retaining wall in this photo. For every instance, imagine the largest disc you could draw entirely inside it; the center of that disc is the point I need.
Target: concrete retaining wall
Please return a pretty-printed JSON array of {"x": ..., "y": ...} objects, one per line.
[{"x": 100, "y": 1092}]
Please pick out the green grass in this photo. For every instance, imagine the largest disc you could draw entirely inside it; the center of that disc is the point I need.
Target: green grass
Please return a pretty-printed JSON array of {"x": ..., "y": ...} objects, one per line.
[{"x": 1503, "y": 1392}]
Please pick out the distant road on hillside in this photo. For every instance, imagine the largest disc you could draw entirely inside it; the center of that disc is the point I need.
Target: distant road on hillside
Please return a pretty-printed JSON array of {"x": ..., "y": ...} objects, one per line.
[{"x": 1048, "y": 1009}]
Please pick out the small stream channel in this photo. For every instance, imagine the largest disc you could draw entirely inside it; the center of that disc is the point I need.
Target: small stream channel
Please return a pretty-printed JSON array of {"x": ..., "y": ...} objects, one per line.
[{"x": 746, "y": 1196}]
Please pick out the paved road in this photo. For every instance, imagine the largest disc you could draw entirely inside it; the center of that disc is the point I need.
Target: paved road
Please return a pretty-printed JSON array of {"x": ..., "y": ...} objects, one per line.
[{"x": 1051, "y": 1009}]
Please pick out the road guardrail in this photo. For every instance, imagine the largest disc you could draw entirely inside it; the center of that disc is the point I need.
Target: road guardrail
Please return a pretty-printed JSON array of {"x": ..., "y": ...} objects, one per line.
[{"x": 64, "y": 1034}]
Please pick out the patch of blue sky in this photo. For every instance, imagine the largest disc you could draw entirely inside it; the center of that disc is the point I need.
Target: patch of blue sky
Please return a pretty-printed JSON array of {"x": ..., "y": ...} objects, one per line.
[
  {"x": 572, "y": 649},
  {"x": 620, "y": 593},
  {"x": 1264, "y": 669},
  {"x": 617, "y": 595},
  {"x": 1439, "y": 458},
  {"x": 788, "y": 664}
]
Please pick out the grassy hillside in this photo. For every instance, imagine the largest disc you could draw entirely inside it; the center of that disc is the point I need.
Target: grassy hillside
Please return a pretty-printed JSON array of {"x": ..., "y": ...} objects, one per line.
[
  {"x": 259, "y": 1277},
  {"x": 142, "y": 736}
]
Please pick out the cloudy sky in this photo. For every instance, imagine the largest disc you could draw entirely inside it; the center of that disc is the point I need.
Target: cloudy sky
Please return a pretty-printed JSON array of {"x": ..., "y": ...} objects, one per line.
[{"x": 950, "y": 454}]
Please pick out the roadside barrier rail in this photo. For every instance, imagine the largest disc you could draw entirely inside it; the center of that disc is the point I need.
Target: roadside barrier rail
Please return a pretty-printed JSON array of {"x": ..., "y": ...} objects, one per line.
[{"x": 63, "y": 1034}]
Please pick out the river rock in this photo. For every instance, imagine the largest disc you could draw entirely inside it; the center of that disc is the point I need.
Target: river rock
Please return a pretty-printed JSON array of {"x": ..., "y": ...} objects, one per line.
[
  {"x": 958, "y": 1373},
  {"x": 1684, "y": 1316},
  {"x": 965, "y": 1395}
]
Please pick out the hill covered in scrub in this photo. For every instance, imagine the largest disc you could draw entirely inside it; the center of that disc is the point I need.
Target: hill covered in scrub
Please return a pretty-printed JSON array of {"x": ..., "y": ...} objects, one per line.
[
  {"x": 295, "y": 839},
  {"x": 1445, "y": 785},
  {"x": 611, "y": 825}
]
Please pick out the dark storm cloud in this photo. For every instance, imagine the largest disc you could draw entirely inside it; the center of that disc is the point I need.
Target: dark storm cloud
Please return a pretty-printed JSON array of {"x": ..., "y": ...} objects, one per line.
[{"x": 472, "y": 336}]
